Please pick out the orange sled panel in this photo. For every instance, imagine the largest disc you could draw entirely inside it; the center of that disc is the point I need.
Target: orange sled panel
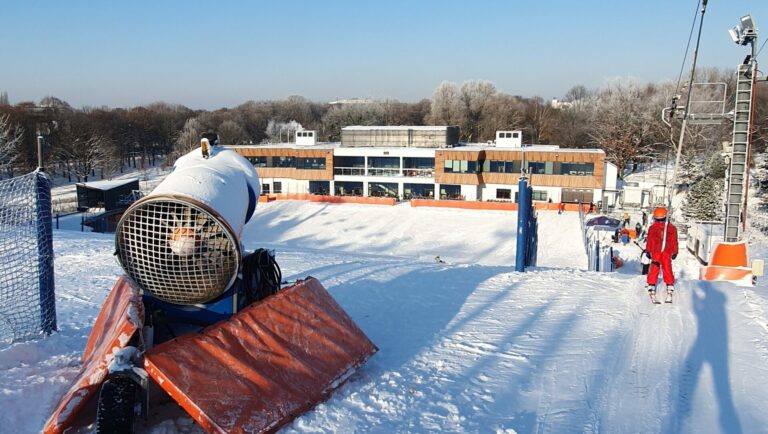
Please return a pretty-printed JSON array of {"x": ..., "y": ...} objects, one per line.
[
  {"x": 120, "y": 317},
  {"x": 264, "y": 366}
]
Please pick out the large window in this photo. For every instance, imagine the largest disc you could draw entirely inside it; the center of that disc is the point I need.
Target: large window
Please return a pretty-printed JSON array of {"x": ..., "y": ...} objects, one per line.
[
  {"x": 310, "y": 163},
  {"x": 540, "y": 195},
  {"x": 503, "y": 193},
  {"x": 348, "y": 188},
  {"x": 501, "y": 166},
  {"x": 460, "y": 166},
  {"x": 418, "y": 191},
  {"x": 540, "y": 167},
  {"x": 349, "y": 166},
  {"x": 319, "y": 187},
  {"x": 422, "y": 167},
  {"x": 382, "y": 189},
  {"x": 577, "y": 169},
  {"x": 271, "y": 161},
  {"x": 277, "y": 187},
  {"x": 448, "y": 191}
]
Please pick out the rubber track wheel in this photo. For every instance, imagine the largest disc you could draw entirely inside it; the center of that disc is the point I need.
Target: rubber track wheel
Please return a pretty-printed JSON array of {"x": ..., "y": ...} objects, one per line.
[{"x": 115, "y": 412}]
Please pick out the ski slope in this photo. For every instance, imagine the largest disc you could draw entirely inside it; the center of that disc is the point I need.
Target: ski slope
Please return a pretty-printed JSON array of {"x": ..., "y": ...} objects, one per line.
[{"x": 467, "y": 345}]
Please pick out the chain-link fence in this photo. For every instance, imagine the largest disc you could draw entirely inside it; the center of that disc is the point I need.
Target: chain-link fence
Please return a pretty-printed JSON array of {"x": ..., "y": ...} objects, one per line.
[{"x": 28, "y": 306}]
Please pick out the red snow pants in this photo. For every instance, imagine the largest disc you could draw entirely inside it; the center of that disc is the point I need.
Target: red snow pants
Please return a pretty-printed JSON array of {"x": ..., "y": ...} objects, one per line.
[{"x": 665, "y": 264}]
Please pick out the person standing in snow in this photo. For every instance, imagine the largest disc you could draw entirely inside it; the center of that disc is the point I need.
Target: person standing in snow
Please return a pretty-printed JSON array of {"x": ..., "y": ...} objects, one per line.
[
  {"x": 625, "y": 220},
  {"x": 661, "y": 250},
  {"x": 638, "y": 230},
  {"x": 645, "y": 218}
]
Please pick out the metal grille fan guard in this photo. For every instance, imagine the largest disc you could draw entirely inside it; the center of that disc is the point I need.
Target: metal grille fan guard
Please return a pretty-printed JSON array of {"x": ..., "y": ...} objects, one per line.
[{"x": 179, "y": 251}]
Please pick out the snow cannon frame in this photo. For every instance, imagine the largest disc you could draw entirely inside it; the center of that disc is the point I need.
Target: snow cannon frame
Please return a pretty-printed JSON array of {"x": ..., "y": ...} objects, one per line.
[{"x": 144, "y": 338}]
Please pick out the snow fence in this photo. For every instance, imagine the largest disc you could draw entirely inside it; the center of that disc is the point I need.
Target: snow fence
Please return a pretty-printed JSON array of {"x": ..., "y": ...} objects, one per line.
[{"x": 28, "y": 306}]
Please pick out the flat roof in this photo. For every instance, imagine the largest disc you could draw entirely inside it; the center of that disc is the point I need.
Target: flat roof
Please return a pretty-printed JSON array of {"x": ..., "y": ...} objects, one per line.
[
  {"x": 468, "y": 147},
  {"x": 108, "y": 184},
  {"x": 398, "y": 127}
]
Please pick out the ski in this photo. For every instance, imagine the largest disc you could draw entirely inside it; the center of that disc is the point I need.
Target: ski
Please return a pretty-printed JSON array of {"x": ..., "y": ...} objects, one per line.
[
  {"x": 654, "y": 300},
  {"x": 669, "y": 297}
]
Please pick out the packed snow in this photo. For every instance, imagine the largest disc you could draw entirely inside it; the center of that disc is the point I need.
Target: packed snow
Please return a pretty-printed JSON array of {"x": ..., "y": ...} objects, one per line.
[{"x": 467, "y": 345}]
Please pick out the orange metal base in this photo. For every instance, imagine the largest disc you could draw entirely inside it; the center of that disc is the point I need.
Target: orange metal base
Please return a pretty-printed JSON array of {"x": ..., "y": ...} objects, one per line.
[
  {"x": 264, "y": 366},
  {"x": 728, "y": 262}
]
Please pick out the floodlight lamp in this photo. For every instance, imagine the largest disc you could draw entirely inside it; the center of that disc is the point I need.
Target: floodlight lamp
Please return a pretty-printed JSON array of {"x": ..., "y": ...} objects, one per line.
[
  {"x": 734, "y": 32},
  {"x": 748, "y": 24}
]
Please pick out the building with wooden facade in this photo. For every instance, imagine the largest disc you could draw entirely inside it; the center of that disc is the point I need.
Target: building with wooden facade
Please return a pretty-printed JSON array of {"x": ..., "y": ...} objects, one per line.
[{"x": 444, "y": 170}]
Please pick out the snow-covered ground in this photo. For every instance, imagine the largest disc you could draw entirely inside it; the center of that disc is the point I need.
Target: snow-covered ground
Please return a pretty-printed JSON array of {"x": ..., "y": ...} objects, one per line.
[{"x": 467, "y": 345}]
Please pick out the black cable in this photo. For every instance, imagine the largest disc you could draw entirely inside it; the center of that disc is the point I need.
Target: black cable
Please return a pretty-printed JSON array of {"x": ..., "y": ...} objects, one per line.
[
  {"x": 688, "y": 46},
  {"x": 761, "y": 49},
  {"x": 261, "y": 275}
]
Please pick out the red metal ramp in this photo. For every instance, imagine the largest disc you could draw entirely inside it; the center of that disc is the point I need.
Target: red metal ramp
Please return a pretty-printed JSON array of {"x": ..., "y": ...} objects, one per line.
[
  {"x": 120, "y": 317},
  {"x": 264, "y": 366}
]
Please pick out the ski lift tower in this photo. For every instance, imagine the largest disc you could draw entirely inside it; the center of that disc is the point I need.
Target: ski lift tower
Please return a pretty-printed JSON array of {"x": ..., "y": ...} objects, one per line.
[{"x": 743, "y": 117}]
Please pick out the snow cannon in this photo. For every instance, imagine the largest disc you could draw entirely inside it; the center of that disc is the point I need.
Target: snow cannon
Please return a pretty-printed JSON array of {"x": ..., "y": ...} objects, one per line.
[
  {"x": 181, "y": 243},
  {"x": 198, "y": 320}
]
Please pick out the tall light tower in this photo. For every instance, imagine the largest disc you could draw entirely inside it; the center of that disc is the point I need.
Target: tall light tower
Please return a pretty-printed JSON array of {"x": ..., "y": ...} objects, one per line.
[{"x": 743, "y": 116}]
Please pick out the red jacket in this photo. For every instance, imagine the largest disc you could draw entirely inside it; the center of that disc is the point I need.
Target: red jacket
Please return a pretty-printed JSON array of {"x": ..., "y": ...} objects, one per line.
[{"x": 655, "y": 235}]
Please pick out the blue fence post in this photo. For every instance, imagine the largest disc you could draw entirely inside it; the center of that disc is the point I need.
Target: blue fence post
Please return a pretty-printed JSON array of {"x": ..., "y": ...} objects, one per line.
[
  {"x": 45, "y": 253},
  {"x": 522, "y": 224}
]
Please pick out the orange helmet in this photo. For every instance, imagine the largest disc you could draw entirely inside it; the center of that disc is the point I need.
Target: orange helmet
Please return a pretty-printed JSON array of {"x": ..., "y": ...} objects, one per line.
[{"x": 660, "y": 213}]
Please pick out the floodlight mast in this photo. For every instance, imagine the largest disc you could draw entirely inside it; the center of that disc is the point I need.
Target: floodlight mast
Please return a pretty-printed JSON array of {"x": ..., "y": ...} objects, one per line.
[{"x": 743, "y": 121}]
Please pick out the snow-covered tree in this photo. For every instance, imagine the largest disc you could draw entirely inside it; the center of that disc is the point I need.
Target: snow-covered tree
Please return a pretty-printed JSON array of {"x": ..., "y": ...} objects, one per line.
[
  {"x": 705, "y": 197},
  {"x": 281, "y": 131},
  {"x": 690, "y": 170}
]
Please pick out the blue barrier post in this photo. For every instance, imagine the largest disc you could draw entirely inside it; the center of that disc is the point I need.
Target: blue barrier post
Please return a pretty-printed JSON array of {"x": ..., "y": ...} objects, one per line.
[
  {"x": 523, "y": 210},
  {"x": 45, "y": 253}
]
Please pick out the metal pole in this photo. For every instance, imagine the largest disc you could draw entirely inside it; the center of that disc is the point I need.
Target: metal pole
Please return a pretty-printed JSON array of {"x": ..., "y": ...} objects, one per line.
[
  {"x": 685, "y": 121},
  {"x": 40, "y": 153}
]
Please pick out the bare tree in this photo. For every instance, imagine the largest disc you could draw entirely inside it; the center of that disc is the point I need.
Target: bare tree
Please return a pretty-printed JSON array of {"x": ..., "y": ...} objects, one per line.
[
  {"x": 231, "y": 133},
  {"x": 445, "y": 108},
  {"x": 474, "y": 96},
  {"x": 538, "y": 119},
  {"x": 11, "y": 138},
  {"x": 84, "y": 154},
  {"x": 622, "y": 122}
]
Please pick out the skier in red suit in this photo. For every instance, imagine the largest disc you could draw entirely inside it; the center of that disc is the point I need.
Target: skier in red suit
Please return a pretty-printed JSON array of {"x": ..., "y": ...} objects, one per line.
[{"x": 661, "y": 256}]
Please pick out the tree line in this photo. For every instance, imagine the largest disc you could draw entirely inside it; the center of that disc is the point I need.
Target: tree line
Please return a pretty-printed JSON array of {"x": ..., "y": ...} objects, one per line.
[{"x": 623, "y": 117}]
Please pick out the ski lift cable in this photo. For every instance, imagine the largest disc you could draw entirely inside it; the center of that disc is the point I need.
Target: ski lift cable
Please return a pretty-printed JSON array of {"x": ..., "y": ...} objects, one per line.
[
  {"x": 685, "y": 121},
  {"x": 688, "y": 45},
  {"x": 761, "y": 49}
]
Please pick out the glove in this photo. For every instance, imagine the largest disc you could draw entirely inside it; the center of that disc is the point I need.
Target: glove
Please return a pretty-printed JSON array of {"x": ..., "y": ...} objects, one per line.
[
  {"x": 674, "y": 256},
  {"x": 648, "y": 255}
]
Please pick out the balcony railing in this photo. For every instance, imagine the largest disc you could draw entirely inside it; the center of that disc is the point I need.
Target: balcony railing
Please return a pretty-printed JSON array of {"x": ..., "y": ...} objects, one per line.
[
  {"x": 375, "y": 171},
  {"x": 349, "y": 171}
]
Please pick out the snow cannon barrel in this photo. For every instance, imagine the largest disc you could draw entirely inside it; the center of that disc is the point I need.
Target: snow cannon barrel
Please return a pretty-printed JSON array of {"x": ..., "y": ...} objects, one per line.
[{"x": 182, "y": 241}]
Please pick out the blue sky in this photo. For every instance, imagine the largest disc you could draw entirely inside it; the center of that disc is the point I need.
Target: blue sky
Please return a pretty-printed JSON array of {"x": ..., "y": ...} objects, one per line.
[{"x": 208, "y": 55}]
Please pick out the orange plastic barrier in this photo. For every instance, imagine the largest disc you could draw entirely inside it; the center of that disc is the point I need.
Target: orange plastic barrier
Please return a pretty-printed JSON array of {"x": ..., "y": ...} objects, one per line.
[
  {"x": 728, "y": 261},
  {"x": 264, "y": 366},
  {"x": 120, "y": 317},
  {"x": 354, "y": 199},
  {"x": 463, "y": 204},
  {"x": 729, "y": 254}
]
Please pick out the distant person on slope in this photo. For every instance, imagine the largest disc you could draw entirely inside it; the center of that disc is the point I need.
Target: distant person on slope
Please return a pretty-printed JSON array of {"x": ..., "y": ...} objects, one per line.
[{"x": 661, "y": 258}]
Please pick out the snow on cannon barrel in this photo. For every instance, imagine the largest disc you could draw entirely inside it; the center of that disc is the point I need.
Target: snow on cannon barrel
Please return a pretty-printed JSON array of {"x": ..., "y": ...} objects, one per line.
[
  {"x": 182, "y": 241},
  {"x": 192, "y": 293}
]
